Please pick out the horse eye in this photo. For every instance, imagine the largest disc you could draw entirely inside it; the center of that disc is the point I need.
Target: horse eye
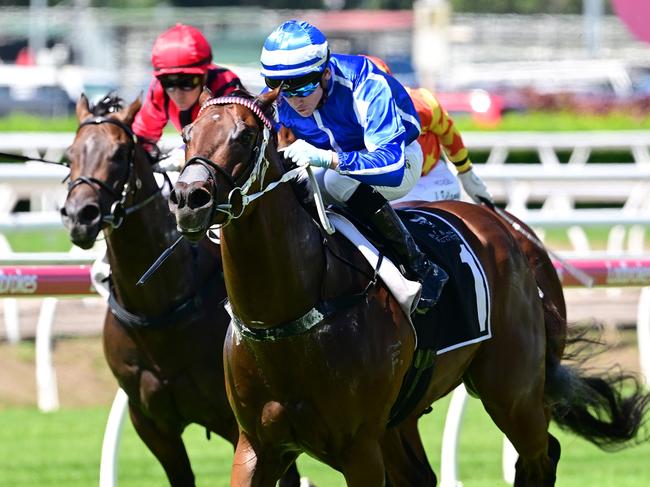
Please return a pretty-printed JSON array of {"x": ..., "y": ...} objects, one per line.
[
  {"x": 246, "y": 138},
  {"x": 121, "y": 154},
  {"x": 185, "y": 133}
]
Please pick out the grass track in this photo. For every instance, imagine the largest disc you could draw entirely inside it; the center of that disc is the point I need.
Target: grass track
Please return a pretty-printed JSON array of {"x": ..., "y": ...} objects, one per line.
[
  {"x": 63, "y": 449},
  {"x": 58, "y": 241}
]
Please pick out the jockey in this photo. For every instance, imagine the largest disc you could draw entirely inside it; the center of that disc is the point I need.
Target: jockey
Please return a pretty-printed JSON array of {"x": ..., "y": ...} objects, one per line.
[
  {"x": 182, "y": 66},
  {"x": 182, "y": 63},
  {"x": 438, "y": 131},
  {"x": 357, "y": 124}
]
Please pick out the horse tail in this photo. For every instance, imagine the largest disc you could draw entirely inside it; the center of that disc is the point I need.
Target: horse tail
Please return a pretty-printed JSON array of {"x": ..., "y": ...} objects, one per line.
[{"x": 607, "y": 409}]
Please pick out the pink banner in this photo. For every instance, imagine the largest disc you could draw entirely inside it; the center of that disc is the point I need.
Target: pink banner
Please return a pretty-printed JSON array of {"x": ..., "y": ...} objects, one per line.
[
  {"x": 45, "y": 280},
  {"x": 636, "y": 15},
  {"x": 609, "y": 272},
  {"x": 74, "y": 280}
]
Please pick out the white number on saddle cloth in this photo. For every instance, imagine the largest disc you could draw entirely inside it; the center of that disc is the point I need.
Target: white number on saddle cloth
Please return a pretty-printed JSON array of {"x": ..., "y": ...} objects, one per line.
[{"x": 466, "y": 257}]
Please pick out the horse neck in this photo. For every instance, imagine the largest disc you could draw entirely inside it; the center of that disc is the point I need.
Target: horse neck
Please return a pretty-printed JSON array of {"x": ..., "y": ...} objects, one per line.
[
  {"x": 135, "y": 245},
  {"x": 273, "y": 260}
]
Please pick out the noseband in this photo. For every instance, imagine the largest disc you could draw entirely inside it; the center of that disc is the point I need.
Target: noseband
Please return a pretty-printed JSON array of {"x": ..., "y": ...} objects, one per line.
[
  {"x": 118, "y": 209},
  {"x": 243, "y": 184}
]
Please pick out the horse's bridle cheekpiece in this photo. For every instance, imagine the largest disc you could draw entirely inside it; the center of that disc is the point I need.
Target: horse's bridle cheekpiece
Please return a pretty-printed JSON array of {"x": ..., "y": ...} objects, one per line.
[
  {"x": 118, "y": 210},
  {"x": 258, "y": 170}
]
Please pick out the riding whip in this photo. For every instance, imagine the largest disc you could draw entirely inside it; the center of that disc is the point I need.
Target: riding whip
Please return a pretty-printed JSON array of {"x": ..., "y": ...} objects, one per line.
[
  {"x": 17, "y": 157},
  {"x": 154, "y": 267}
]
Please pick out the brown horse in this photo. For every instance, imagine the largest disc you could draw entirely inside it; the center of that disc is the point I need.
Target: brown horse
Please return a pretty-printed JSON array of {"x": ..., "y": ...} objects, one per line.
[
  {"x": 163, "y": 341},
  {"x": 317, "y": 351}
]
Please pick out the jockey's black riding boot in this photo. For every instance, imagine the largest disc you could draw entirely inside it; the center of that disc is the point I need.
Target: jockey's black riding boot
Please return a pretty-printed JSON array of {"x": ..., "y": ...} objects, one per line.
[{"x": 373, "y": 208}]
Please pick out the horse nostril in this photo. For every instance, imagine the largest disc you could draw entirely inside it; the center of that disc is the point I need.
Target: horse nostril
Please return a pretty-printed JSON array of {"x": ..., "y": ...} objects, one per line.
[
  {"x": 198, "y": 198},
  {"x": 173, "y": 197},
  {"x": 89, "y": 214},
  {"x": 63, "y": 212}
]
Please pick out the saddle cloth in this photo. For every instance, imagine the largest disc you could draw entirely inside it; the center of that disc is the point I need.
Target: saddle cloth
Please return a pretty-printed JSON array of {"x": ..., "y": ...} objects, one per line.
[{"x": 462, "y": 315}]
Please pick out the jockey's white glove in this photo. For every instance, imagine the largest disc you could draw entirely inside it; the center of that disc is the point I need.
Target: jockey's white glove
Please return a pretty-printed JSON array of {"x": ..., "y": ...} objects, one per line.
[
  {"x": 474, "y": 186},
  {"x": 303, "y": 154},
  {"x": 174, "y": 160}
]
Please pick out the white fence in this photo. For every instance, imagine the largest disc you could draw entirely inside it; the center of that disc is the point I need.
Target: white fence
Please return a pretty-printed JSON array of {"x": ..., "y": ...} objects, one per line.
[{"x": 556, "y": 188}]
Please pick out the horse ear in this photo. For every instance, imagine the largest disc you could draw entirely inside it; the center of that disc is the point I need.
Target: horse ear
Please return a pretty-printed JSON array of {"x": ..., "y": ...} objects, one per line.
[
  {"x": 285, "y": 137},
  {"x": 266, "y": 99},
  {"x": 128, "y": 115},
  {"x": 206, "y": 94},
  {"x": 83, "y": 108}
]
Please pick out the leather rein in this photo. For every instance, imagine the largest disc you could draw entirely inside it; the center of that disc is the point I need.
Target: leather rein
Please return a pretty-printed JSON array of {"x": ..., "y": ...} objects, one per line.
[{"x": 258, "y": 163}]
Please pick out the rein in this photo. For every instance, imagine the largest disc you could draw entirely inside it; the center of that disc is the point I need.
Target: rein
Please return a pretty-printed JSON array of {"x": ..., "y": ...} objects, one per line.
[
  {"x": 323, "y": 309},
  {"x": 257, "y": 173},
  {"x": 118, "y": 211}
]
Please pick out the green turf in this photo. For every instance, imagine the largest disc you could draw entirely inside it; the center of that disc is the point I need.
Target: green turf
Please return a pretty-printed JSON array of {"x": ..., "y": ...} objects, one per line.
[
  {"x": 57, "y": 241},
  {"x": 549, "y": 121},
  {"x": 512, "y": 121},
  {"x": 37, "y": 241},
  {"x": 63, "y": 449}
]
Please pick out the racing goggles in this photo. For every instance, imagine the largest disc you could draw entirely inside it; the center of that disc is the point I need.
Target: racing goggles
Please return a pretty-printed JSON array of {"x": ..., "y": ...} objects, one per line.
[
  {"x": 183, "y": 82},
  {"x": 296, "y": 87}
]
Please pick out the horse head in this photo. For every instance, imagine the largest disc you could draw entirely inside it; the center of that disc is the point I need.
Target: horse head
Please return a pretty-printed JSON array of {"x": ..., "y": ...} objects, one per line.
[
  {"x": 102, "y": 159},
  {"x": 227, "y": 157}
]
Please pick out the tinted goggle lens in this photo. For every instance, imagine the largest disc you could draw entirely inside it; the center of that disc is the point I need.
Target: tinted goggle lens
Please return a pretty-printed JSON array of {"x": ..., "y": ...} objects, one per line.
[
  {"x": 300, "y": 87},
  {"x": 302, "y": 91},
  {"x": 185, "y": 83}
]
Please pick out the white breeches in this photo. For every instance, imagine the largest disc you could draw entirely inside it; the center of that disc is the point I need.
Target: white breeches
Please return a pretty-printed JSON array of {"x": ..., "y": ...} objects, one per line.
[
  {"x": 439, "y": 184},
  {"x": 339, "y": 187}
]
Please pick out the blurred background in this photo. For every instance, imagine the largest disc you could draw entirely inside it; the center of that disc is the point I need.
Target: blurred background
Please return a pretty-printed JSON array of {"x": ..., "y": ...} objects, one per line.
[
  {"x": 524, "y": 54},
  {"x": 552, "y": 98}
]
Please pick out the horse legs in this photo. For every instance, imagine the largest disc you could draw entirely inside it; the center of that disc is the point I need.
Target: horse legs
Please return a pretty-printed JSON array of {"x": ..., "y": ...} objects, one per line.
[
  {"x": 363, "y": 464},
  {"x": 168, "y": 449},
  {"x": 517, "y": 408},
  {"x": 255, "y": 466},
  {"x": 404, "y": 456},
  {"x": 521, "y": 469},
  {"x": 291, "y": 477}
]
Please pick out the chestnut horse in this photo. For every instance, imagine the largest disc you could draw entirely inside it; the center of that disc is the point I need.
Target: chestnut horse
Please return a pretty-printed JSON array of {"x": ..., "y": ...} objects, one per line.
[
  {"x": 163, "y": 341},
  {"x": 317, "y": 351}
]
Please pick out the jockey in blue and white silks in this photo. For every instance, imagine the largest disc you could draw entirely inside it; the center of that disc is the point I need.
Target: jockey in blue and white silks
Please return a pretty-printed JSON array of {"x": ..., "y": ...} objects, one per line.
[
  {"x": 368, "y": 119},
  {"x": 358, "y": 124}
]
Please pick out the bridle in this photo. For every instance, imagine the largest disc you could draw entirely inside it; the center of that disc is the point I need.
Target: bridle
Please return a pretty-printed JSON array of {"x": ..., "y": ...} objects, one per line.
[
  {"x": 241, "y": 185},
  {"x": 130, "y": 183}
]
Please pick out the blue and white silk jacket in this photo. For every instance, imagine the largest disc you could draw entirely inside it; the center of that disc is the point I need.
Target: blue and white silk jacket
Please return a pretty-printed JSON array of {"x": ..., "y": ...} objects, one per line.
[{"x": 367, "y": 118}]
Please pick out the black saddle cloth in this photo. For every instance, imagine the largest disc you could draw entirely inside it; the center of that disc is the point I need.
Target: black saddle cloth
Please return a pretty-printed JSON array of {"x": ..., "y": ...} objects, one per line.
[{"x": 461, "y": 316}]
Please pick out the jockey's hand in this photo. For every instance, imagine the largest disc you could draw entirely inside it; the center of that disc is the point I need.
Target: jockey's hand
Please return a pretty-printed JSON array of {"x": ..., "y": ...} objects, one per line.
[
  {"x": 174, "y": 160},
  {"x": 474, "y": 186},
  {"x": 303, "y": 154}
]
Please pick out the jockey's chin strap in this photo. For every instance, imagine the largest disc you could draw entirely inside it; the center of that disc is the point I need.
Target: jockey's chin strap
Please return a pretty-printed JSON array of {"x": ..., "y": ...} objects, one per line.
[
  {"x": 118, "y": 211},
  {"x": 239, "y": 194}
]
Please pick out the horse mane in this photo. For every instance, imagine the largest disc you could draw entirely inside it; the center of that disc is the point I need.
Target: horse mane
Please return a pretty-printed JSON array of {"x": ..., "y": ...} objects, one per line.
[
  {"x": 244, "y": 93},
  {"x": 111, "y": 103}
]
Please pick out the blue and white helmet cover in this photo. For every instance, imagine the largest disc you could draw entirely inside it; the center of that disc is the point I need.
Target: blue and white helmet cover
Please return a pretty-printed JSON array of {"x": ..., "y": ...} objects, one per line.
[{"x": 294, "y": 49}]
